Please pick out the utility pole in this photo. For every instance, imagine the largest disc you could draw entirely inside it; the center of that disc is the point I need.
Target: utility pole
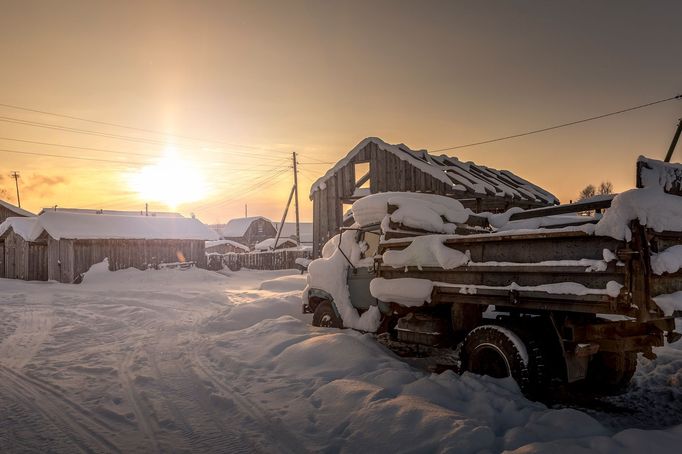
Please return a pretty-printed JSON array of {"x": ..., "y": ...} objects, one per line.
[
  {"x": 146, "y": 209},
  {"x": 246, "y": 210},
  {"x": 15, "y": 175},
  {"x": 298, "y": 229},
  {"x": 673, "y": 144}
]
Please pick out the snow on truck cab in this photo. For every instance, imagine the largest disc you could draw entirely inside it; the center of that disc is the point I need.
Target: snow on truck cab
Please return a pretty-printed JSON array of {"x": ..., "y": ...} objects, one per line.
[{"x": 544, "y": 295}]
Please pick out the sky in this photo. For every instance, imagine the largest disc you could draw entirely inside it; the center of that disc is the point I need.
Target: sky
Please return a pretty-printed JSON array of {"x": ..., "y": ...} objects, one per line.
[{"x": 218, "y": 95}]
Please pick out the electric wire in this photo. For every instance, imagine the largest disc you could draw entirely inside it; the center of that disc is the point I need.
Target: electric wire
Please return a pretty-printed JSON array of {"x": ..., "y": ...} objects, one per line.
[{"x": 563, "y": 125}]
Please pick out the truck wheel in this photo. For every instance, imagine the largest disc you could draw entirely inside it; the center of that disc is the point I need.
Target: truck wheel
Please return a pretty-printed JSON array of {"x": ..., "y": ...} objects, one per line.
[
  {"x": 325, "y": 316},
  {"x": 498, "y": 352},
  {"x": 610, "y": 373}
]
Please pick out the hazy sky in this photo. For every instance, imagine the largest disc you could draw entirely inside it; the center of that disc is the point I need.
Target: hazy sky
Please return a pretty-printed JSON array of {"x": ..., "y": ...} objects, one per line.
[{"x": 318, "y": 77}]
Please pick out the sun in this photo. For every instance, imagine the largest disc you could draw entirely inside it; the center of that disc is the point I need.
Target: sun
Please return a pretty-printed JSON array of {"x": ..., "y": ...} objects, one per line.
[{"x": 171, "y": 181}]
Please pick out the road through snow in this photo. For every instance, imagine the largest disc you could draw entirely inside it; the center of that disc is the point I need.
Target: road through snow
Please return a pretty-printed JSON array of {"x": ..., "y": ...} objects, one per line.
[{"x": 196, "y": 361}]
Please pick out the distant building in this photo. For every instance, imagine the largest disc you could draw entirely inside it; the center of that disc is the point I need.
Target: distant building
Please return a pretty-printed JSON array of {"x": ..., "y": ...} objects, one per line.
[
  {"x": 249, "y": 231},
  {"x": 268, "y": 244},
  {"x": 7, "y": 210},
  {"x": 225, "y": 246},
  {"x": 305, "y": 230}
]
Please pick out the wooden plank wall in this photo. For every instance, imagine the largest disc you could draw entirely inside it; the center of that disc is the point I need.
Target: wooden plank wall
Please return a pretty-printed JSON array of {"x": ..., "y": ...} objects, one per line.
[
  {"x": 2, "y": 258},
  {"x": 389, "y": 173}
]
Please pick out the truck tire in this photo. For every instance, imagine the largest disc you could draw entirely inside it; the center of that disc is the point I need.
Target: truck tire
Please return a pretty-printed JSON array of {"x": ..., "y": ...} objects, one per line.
[
  {"x": 325, "y": 316},
  {"x": 609, "y": 373},
  {"x": 499, "y": 352}
]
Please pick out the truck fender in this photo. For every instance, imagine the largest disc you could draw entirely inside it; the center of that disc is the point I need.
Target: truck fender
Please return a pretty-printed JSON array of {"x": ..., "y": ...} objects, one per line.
[{"x": 316, "y": 295}]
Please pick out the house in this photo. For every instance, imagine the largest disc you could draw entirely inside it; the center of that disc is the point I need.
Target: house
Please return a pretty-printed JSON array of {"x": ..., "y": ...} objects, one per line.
[
  {"x": 7, "y": 210},
  {"x": 23, "y": 250},
  {"x": 375, "y": 166},
  {"x": 249, "y": 231},
  {"x": 269, "y": 244},
  {"x": 224, "y": 247},
  {"x": 305, "y": 230},
  {"x": 76, "y": 241}
]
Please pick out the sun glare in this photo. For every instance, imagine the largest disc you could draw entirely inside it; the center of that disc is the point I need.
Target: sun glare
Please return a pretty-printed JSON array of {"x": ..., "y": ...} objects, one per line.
[{"x": 172, "y": 181}]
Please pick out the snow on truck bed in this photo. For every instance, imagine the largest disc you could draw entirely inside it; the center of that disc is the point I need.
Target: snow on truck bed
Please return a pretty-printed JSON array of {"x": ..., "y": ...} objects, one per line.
[{"x": 196, "y": 361}]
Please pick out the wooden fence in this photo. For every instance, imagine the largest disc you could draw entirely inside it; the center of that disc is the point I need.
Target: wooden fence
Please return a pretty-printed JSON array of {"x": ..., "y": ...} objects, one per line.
[{"x": 271, "y": 260}]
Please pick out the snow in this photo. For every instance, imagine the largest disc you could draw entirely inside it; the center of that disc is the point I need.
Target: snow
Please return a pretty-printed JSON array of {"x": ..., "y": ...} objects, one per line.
[
  {"x": 427, "y": 250},
  {"x": 667, "y": 261},
  {"x": 268, "y": 244},
  {"x": 101, "y": 226},
  {"x": 230, "y": 242},
  {"x": 412, "y": 206},
  {"x": 669, "y": 303},
  {"x": 27, "y": 228},
  {"x": 560, "y": 288},
  {"x": 462, "y": 176},
  {"x": 659, "y": 174},
  {"x": 653, "y": 208},
  {"x": 238, "y": 227},
  {"x": 15, "y": 209},
  {"x": 409, "y": 292},
  {"x": 196, "y": 361},
  {"x": 329, "y": 274}
]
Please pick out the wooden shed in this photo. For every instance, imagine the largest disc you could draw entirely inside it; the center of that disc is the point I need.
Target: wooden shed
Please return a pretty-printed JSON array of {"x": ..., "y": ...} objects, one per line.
[
  {"x": 269, "y": 244},
  {"x": 23, "y": 255},
  {"x": 7, "y": 210},
  {"x": 249, "y": 231},
  {"x": 225, "y": 247},
  {"x": 374, "y": 166},
  {"x": 77, "y": 241}
]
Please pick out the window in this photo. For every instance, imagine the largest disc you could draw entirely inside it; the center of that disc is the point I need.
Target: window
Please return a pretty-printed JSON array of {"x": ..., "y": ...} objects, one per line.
[{"x": 362, "y": 175}]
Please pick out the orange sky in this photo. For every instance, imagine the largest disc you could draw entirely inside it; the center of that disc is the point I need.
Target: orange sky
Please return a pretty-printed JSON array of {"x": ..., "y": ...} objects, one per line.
[{"x": 258, "y": 80}]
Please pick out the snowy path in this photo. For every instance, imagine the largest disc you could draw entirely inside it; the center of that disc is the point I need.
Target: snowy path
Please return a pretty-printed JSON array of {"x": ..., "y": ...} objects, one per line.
[{"x": 193, "y": 361}]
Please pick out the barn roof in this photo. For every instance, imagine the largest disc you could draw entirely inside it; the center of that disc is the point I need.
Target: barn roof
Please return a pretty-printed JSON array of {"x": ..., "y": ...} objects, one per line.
[
  {"x": 65, "y": 225},
  {"x": 25, "y": 227},
  {"x": 238, "y": 227},
  {"x": 15, "y": 209},
  {"x": 462, "y": 176},
  {"x": 269, "y": 244},
  {"x": 165, "y": 214}
]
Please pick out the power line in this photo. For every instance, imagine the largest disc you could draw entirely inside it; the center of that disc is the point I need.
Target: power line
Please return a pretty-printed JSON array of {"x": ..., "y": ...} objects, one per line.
[
  {"x": 135, "y": 128},
  {"x": 563, "y": 125},
  {"x": 104, "y": 150},
  {"x": 143, "y": 140}
]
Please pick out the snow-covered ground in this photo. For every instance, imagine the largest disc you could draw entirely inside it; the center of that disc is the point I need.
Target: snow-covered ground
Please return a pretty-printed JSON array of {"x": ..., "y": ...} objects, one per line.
[{"x": 180, "y": 361}]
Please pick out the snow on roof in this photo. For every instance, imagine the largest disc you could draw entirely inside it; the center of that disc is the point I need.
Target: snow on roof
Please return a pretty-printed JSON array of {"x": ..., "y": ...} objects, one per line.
[
  {"x": 461, "y": 176},
  {"x": 269, "y": 243},
  {"x": 164, "y": 214},
  {"x": 238, "y": 227},
  {"x": 289, "y": 230},
  {"x": 101, "y": 226},
  {"x": 230, "y": 242},
  {"x": 25, "y": 227},
  {"x": 15, "y": 209}
]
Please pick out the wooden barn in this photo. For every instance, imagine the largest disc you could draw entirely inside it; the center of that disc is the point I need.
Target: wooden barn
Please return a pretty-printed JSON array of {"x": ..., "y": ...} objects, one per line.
[
  {"x": 374, "y": 166},
  {"x": 225, "y": 247},
  {"x": 23, "y": 251},
  {"x": 77, "y": 241},
  {"x": 249, "y": 231},
  {"x": 7, "y": 210}
]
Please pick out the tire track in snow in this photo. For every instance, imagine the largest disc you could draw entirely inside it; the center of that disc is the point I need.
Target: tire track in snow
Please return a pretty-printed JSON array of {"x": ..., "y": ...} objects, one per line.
[
  {"x": 32, "y": 328},
  {"x": 190, "y": 404},
  {"x": 142, "y": 412},
  {"x": 280, "y": 436},
  {"x": 74, "y": 421}
]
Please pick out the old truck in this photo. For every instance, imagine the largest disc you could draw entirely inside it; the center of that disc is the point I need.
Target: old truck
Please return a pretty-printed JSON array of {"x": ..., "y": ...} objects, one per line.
[{"x": 572, "y": 299}]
